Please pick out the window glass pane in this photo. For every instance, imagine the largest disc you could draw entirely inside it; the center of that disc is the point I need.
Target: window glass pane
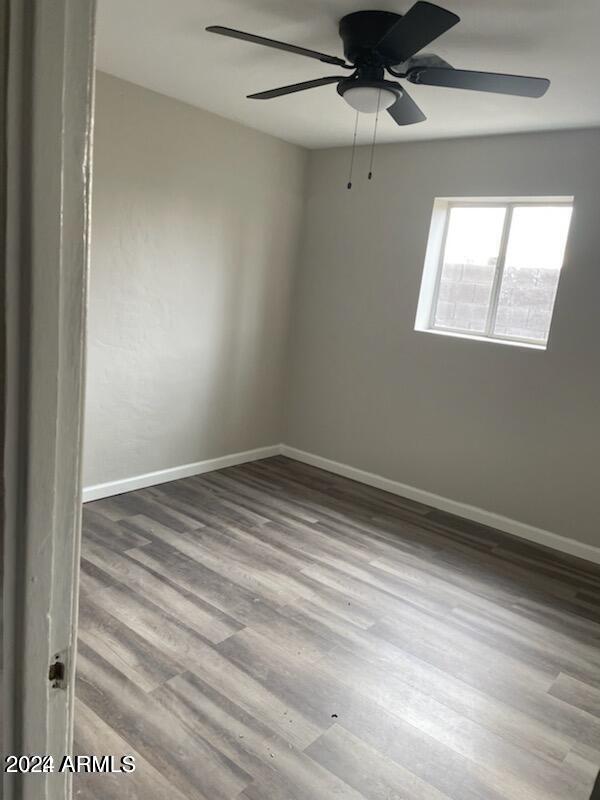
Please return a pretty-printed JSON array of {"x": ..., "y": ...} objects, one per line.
[
  {"x": 470, "y": 257},
  {"x": 534, "y": 257}
]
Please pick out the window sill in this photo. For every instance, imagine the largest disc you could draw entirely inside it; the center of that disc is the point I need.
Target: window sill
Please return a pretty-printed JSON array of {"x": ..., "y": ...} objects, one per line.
[{"x": 488, "y": 339}]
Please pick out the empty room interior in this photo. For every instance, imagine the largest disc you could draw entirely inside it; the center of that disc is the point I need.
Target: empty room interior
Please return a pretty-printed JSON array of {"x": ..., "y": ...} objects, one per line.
[{"x": 341, "y": 525}]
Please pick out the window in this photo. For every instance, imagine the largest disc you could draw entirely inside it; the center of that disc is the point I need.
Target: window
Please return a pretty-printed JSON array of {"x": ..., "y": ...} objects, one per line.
[{"x": 492, "y": 268}]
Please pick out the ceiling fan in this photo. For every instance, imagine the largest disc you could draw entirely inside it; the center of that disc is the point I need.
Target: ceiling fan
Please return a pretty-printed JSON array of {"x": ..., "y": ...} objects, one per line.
[{"x": 376, "y": 42}]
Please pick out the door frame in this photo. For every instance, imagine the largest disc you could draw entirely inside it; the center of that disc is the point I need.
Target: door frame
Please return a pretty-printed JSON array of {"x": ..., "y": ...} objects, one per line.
[{"x": 48, "y": 79}]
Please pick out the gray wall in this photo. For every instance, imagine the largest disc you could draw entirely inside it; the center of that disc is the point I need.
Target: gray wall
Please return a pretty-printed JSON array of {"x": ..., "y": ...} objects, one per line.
[
  {"x": 196, "y": 226},
  {"x": 194, "y": 236},
  {"x": 510, "y": 430}
]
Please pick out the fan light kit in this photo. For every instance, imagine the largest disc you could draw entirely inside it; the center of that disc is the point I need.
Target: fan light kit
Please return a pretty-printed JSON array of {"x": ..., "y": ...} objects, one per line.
[
  {"x": 376, "y": 42},
  {"x": 369, "y": 99}
]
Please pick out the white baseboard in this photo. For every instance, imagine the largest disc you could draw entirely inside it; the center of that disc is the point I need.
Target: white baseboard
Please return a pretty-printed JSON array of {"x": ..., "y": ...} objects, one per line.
[
  {"x": 493, "y": 520},
  {"x": 112, "y": 488},
  {"x": 512, "y": 526}
]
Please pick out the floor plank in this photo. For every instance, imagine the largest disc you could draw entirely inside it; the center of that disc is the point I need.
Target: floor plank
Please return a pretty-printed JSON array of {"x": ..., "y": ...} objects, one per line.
[{"x": 272, "y": 631}]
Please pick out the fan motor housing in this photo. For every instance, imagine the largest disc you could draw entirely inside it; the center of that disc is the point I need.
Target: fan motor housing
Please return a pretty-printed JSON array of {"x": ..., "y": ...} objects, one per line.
[{"x": 361, "y": 31}]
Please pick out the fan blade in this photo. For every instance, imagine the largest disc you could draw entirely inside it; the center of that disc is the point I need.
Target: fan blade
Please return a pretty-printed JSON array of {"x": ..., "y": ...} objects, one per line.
[
  {"x": 405, "y": 111},
  {"x": 422, "y": 60},
  {"x": 294, "y": 87},
  {"x": 290, "y": 48},
  {"x": 480, "y": 81},
  {"x": 423, "y": 23}
]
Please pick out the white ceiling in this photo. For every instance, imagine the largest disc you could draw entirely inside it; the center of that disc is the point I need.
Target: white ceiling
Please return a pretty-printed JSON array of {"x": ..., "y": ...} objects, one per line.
[{"x": 162, "y": 44}]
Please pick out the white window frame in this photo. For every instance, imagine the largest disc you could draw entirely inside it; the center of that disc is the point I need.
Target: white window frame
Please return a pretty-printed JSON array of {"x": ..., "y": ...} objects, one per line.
[{"x": 429, "y": 296}]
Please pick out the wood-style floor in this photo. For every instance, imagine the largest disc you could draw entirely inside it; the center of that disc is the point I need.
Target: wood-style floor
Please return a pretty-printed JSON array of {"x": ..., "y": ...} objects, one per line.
[{"x": 274, "y": 632}]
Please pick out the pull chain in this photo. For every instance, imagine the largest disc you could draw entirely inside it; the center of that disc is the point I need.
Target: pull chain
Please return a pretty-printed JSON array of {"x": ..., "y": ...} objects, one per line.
[
  {"x": 353, "y": 152},
  {"x": 374, "y": 137}
]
